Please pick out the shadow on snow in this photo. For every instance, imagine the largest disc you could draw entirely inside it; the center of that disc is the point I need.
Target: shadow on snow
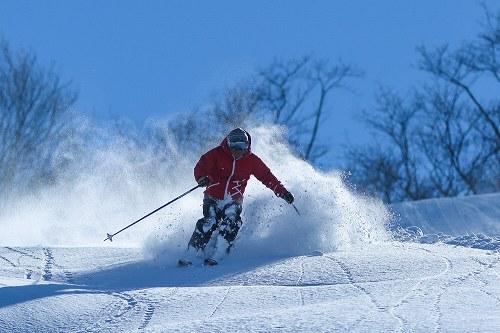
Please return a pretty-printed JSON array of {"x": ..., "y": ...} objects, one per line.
[{"x": 133, "y": 276}]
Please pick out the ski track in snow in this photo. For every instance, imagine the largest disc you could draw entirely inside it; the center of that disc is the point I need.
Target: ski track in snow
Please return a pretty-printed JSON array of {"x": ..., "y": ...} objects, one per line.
[
  {"x": 48, "y": 262},
  {"x": 217, "y": 307},
  {"x": 417, "y": 287},
  {"x": 148, "y": 314},
  {"x": 22, "y": 254},
  {"x": 457, "y": 280},
  {"x": 438, "y": 300},
  {"x": 130, "y": 305},
  {"x": 152, "y": 304},
  {"x": 420, "y": 290},
  {"x": 476, "y": 274},
  {"x": 299, "y": 282},
  {"x": 25, "y": 254},
  {"x": 151, "y": 307},
  {"x": 484, "y": 282},
  {"x": 118, "y": 310},
  {"x": 356, "y": 285},
  {"x": 8, "y": 261},
  {"x": 114, "y": 313},
  {"x": 352, "y": 282},
  {"x": 350, "y": 278},
  {"x": 125, "y": 304},
  {"x": 436, "y": 305},
  {"x": 135, "y": 309},
  {"x": 48, "y": 265}
]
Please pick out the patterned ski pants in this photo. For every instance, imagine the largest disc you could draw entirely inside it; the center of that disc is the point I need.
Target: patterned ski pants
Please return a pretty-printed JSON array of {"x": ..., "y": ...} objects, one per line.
[{"x": 225, "y": 219}]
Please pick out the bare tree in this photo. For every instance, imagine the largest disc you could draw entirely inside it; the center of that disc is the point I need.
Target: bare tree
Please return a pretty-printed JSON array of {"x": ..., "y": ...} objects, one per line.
[
  {"x": 295, "y": 93},
  {"x": 395, "y": 121},
  {"x": 484, "y": 53},
  {"x": 292, "y": 93},
  {"x": 456, "y": 69},
  {"x": 468, "y": 64},
  {"x": 443, "y": 141},
  {"x": 452, "y": 139},
  {"x": 203, "y": 127},
  {"x": 33, "y": 103},
  {"x": 375, "y": 170},
  {"x": 193, "y": 131},
  {"x": 430, "y": 145},
  {"x": 471, "y": 136},
  {"x": 327, "y": 78},
  {"x": 284, "y": 90},
  {"x": 239, "y": 105}
]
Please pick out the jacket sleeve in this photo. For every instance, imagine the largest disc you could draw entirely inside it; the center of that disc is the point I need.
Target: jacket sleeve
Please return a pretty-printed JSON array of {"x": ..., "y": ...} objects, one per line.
[
  {"x": 266, "y": 177},
  {"x": 205, "y": 165}
]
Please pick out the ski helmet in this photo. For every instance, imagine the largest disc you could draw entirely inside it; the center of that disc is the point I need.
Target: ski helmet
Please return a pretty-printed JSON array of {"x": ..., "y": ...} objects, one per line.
[{"x": 238, "y": 139}]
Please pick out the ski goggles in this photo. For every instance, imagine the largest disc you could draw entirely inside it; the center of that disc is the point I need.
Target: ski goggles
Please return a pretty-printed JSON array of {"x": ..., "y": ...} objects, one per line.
[{"x": 240, "y": 146}]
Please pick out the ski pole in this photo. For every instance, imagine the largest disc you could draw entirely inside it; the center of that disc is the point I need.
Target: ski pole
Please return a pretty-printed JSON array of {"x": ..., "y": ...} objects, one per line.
[
  {"x": 296, "y": 209},
  {"x": 110, "y": 236}
]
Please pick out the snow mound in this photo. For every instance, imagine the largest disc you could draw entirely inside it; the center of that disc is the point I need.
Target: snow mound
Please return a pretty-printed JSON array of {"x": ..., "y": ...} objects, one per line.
[
  {"x": 472, "y": 221},
  {"x": 453, "y": 216}
]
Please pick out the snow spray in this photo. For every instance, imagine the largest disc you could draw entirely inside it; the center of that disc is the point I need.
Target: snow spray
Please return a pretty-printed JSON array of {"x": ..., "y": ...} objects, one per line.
[
  {"x": 111, "y": 181},
  {"x": 332, "y": 216},
  {"x": 118, "y": 180}
]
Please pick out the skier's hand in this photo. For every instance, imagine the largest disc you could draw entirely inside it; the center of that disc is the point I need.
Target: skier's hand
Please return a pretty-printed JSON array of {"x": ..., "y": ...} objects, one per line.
[
  {"x": 288, "y": 197},
  {"x": 204, "y": 181}
]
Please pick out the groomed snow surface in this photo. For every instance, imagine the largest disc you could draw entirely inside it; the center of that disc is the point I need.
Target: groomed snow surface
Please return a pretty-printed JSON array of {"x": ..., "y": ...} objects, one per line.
[
  {"x": 398, "y": 287},
  {"x": 383, "y": 286}
]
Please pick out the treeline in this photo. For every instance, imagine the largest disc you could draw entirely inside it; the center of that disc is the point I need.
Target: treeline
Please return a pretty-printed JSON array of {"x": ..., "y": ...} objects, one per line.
[
  {"x": 439, "y": 139},
  {"x": 34, "y": 110}
]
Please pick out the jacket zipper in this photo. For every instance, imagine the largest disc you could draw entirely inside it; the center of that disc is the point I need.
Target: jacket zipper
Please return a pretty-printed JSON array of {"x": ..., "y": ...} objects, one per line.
[{"x": 229, "y": 179}]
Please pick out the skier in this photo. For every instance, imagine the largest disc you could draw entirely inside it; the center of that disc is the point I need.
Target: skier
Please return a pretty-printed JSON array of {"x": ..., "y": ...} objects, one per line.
[{"x": 225, "y": 171}]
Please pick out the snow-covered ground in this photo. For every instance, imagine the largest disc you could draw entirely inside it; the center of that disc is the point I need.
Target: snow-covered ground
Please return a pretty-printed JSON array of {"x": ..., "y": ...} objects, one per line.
[
  {"x": 388, "y": 286},
  {"x": 342, "y": 266},
  {"x": 472, "y": 221},
  {"x": 392, "y": 287},
  {"x": 477, "y": 214}
]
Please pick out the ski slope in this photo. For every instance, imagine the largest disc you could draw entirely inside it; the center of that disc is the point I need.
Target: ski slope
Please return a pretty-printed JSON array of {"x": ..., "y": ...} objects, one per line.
[
  {"x": 342, "y": 266},
  {"x": 393, "y": 287}
]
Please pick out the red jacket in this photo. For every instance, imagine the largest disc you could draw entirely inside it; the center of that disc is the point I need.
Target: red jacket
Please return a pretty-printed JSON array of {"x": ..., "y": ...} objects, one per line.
[{"x": 228, "y": 175}]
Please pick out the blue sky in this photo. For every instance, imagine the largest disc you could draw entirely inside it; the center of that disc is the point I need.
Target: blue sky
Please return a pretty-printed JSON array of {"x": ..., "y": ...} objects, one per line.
[{"x": 143, "y": 59}]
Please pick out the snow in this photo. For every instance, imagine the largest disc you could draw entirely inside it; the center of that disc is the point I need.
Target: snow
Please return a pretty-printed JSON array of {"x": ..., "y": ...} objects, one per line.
[
  {"x": 392, "y": 287},
  {"x": 469, "y": 221},
  {"x": 453, "y": 216},
  {"x": 343, "y": 265},
  {"x": 383, "y": 286}
]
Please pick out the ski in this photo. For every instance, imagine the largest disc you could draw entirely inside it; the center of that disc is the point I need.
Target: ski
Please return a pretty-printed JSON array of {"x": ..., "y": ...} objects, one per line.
[
  {"x": 210, "y": 262},
  {"x": 184, "y": 263},
  {"x": 206, "y": 262}
]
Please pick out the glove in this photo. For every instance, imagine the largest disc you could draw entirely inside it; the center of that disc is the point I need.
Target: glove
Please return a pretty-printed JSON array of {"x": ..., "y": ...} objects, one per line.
[
  {"x": 288, "y": 197},
  {"x": 203, "y": 181}
]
